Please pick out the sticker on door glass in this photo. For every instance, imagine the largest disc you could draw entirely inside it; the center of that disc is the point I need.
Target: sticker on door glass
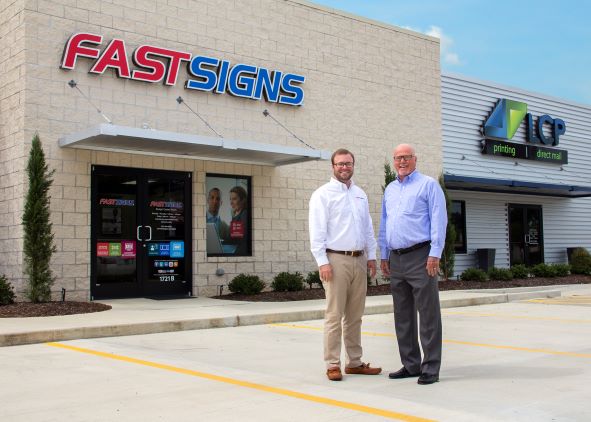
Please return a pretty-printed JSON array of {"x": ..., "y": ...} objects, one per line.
[
  {"x": 177, "y": 249},
  {"x": 164, "y": 249},
  {"x": 128, "y": 248},
  {"x": 115, "y": 249},
  {"x": 153, "y": 249},
  {"x": 102, "y": 249}
]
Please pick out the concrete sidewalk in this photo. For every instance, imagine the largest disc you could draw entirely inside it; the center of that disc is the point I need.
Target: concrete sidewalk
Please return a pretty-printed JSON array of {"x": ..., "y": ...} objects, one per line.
[{"x": 147, "y": 316}]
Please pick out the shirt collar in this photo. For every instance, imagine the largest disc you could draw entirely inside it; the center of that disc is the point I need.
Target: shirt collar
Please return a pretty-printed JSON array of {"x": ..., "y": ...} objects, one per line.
[
  {"x": 340, "y": 185},
  {"x": 410, "y": 177}
]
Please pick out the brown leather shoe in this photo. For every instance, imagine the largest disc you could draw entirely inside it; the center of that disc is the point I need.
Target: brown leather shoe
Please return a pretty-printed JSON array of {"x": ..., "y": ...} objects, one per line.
[
  {"x": 363, "y": 369},
  {"x": 334, "y": 373}
]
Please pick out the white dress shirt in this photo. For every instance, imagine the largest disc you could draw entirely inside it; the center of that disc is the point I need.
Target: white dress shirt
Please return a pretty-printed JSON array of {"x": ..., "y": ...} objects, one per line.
[{"x": 339, "y": 219}]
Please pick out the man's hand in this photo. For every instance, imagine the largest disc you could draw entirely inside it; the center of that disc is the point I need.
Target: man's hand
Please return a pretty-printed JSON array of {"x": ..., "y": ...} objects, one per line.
[
  {"x": 432, "y": 266},
  {"x": 385, "y": 267},
  {"x": 325, "y": 272},
  {"x": 371, "y": 266}
]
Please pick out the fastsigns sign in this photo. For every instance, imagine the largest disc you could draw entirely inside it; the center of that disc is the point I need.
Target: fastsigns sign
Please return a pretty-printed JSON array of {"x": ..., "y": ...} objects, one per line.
[{"x": 156, "y": 64}]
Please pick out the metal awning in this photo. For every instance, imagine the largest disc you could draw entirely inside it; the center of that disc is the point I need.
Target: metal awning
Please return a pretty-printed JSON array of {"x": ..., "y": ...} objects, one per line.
[
  {"x": 454, "y": 182},
  {"x": 114, "y": 138}
]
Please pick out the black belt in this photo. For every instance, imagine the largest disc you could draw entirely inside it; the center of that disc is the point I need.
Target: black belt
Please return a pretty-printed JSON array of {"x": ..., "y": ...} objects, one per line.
[
  {"x": 402, "y": 251},
  {"x": 348, "y": 253}
]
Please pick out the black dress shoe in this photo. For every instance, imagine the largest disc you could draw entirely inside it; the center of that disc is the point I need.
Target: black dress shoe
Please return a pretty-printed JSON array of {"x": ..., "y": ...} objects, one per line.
[
  {"x": 401, "y": 373},
  {"x": 427, "y": 379}
]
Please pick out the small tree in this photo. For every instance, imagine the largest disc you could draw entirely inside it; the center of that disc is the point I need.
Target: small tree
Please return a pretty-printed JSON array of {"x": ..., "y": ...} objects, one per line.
[
  {"x": 448, "y": 257},
  {"x": 38, "y": 237},
  {"x": 389, "y": 175}
]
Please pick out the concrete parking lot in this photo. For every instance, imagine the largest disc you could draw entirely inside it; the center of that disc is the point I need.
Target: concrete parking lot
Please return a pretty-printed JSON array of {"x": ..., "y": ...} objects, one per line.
[{"x": 520, "y": 361}]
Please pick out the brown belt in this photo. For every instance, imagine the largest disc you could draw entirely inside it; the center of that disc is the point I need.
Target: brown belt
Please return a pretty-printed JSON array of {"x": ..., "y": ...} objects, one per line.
[{"x": 347, "y": 253}]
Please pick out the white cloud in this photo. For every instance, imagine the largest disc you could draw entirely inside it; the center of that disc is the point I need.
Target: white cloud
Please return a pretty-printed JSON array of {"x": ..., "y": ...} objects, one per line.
[
  {"x": 445, "y": 42},
  {"x": 447, "y": 55},
  {"x": 452, "y": 58}
]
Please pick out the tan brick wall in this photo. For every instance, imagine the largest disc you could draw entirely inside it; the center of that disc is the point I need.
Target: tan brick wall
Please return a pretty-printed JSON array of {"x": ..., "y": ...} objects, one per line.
[
  {"x": 368, "y": 87},
  {"x": 12, "y": 118}
]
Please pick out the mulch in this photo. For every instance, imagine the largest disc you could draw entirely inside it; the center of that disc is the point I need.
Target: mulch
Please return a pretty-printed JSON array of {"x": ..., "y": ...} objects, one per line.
[
  {"x": 384, "y": 289},
  {"x": 28, "y": 309}
]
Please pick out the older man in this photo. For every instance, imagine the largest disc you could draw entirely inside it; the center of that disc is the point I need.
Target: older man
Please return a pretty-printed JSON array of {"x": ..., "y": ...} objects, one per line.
[{"x": 411, "y": 239}]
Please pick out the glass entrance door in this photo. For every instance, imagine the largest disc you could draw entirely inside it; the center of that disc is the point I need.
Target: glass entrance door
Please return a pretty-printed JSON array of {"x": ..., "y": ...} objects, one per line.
[
  {"x": 141, "y": 233},
  {"x": 166, "y": 217},
  {"x": 525, "y": 234}
]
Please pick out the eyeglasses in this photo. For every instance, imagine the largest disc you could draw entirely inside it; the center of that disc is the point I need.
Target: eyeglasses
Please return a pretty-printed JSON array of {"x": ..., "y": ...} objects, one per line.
[
  {"x": 399, "y": 158},
  {"x": 347, "y": 164}
]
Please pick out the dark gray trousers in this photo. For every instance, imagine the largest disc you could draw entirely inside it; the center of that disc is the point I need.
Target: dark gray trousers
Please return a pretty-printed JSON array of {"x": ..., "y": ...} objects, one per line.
[{"x": 413, "y": 291}]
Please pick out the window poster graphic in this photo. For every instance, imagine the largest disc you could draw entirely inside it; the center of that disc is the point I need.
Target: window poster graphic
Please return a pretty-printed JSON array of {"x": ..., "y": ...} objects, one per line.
[{"x": 228, "y": 215}]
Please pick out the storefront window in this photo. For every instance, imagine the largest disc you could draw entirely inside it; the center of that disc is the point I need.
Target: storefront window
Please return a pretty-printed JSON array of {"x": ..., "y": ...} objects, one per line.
[
  {"x": 228, "y": 215},
  {"x": 458, "y": 219}
]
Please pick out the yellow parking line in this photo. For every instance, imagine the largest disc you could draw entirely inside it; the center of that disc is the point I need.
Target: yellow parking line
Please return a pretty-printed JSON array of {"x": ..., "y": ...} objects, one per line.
[
  {"x": 509, "y": 316},
  {"x": 464, "y": 343},
  {"x": 572, "y": 300},
  {"x": 260, "y": 387},
  {"x": 521, "y": 349}
]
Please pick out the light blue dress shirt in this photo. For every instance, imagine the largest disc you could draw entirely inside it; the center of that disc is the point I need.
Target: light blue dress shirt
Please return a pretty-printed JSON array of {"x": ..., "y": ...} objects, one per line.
[{"x": 413, "y": 211}]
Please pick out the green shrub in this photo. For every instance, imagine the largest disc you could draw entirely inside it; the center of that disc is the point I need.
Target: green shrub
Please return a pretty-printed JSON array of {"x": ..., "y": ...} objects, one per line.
[
  {"x": 580, "y": 261},
  {"x": 520, "y": 271},
  {"x": 6, "y": 291},
  {"x": 562, "y": 270},
  {"x": 246, "y": 284},
  {"x": 543, "y": 270},
  {"x": 473, "y": 274},
  {"x": 288, "y": 282},
  {"x": 38, "y": 243},
  {"x": 314, "y": 278},
  {"x": 500, "y": 274}
]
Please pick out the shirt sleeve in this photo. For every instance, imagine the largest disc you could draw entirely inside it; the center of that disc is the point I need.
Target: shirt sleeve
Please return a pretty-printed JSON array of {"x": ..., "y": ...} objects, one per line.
[
  {"x": 370, "y": 239},
  {"x": 318, "y": 223},
  {"x": 382, "y": 238},
  {"x": 438, "y": 214}
]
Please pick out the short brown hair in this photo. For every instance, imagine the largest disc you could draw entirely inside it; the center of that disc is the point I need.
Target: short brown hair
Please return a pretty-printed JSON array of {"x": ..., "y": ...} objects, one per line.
[{"x": 342, "y": 151}]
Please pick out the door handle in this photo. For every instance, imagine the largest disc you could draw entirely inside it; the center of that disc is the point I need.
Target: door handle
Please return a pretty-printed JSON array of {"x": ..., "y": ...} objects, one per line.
[
  {"x": 527, "y": 239},
  {"x": 150, "y": 233},
  {"x": 137, "y": 233}
]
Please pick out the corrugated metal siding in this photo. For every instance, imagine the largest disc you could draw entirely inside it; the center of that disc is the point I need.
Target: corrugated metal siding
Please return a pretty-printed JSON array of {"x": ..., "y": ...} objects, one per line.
[
  {"x": 486, "y": 227},
  {"x": 566, "y": 223},
  {"x": 466, "y": 104}
]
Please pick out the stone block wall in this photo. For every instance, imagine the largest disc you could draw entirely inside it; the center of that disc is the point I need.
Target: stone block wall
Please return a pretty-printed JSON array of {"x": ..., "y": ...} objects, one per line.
[{"x": 369, "y": 86}]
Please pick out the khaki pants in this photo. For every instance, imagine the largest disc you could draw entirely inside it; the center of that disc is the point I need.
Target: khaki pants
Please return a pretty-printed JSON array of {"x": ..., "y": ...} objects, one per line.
[{"x": 345, "y": 304}]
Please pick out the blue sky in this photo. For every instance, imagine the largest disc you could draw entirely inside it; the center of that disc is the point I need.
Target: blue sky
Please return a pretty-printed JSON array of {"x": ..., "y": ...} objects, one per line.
[{"x": 542, "y": 46}]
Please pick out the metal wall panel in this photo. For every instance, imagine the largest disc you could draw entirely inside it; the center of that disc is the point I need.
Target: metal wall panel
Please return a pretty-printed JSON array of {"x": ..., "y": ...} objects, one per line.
[
  {"x": 466, "y": 104},
  {"x": 566, "y": 223}
]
